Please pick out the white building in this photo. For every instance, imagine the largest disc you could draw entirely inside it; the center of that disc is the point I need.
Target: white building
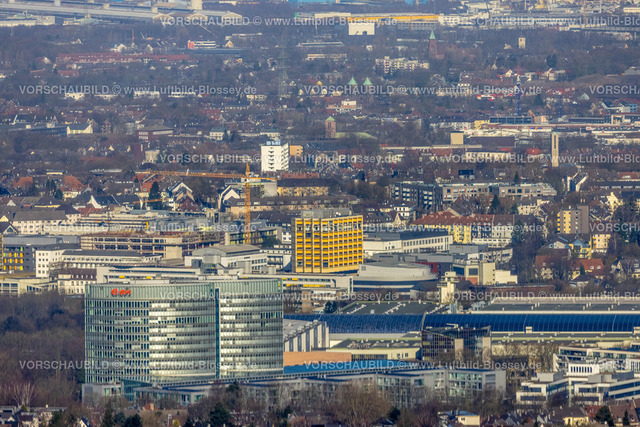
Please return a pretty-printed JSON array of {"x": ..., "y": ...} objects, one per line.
[
  {"x": 405, "y": 242},
  {"x": 246, "y": 258},
  {"x": 274, "y": 156},
  {"x": 300, "y": 335},
  {"x": 59, "y": 257},
  {"x": 388, "y": 65},
  {"x": 588, "y": 386},
  {"x": 45, "y": 258},
  {"x": 95, "y": 259},
  {"x": 363, "y": 28}
]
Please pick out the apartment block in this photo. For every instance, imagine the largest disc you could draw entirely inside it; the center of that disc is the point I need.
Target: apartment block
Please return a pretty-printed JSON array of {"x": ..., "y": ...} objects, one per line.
[
  {"x": 274, "y": 156},
  {"x": 574, "y": 221}
]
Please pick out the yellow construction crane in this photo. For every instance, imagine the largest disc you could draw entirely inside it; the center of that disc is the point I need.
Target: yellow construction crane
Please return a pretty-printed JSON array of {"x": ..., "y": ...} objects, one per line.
[{"x": 247, "y": 186}]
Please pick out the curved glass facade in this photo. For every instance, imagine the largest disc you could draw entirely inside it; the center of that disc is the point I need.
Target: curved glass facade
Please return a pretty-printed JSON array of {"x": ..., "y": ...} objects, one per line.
[
  {"x": 250, "y": 331},
  {"x": 155, "y": 332}
]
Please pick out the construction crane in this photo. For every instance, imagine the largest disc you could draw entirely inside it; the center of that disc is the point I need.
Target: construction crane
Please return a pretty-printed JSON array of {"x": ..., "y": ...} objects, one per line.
[{"x": 247, "y": 186}]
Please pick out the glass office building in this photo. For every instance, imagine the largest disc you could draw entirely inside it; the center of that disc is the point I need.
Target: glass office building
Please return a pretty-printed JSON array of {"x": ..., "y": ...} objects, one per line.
[{"x": 157, "y": 332}]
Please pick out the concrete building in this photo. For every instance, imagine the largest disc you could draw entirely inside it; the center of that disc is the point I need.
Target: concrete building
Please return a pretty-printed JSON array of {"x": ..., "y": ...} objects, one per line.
[
  {"x": 476, "y": 271},
  {"x": 88, "y": 259},
  {"x": 16, "y": 284},
  {"x": 433, "y": 196},
  {"x": 72, "y": 281},
  {"x": 167, "y": 245},
  {"x": 301, "y": 336},
  {"x": 45, "y": 257},
  {"x": 244, "y": 258},
  {"x": 327, "y": 242},
  {"x": 617, "y": 357},
  {"x": 404, "y": 387},
  {"x": 389, "y": 65},
  {"x": 38, "y": 221},
  {"x": 555, "y": 150},
  {"x": 582, "y": 387},
  {"x": 398, "y": 277},
  {"x": 274, "y": 156},
  {"x": 405, "y": 241},
  {"x": 424, "y": 196},
  {"x": 522, "y": 42},
  {"x": 447, "y": 287},
  {"x": 379, "y": 349},
  {"x": 72, "y": 269},
  {"x": 303, "y": 187},
  {"x": 151, "y": 134},
  {"x": 279, "y": 257},
  {"x": 457, "y": 138},
  {"x": 19, "y": 252},
  {"x": 574, "y": 221},
  {"x": 362, "y": 28}
]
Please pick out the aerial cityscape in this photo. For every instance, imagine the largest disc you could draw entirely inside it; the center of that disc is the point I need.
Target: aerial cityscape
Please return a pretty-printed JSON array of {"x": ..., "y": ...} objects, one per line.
[{"x": 319, "y": 213}]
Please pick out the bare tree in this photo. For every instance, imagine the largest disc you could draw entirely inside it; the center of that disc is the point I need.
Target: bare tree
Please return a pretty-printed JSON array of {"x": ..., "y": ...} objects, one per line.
[
  {"x": 360, "y": 405},
  {"x": 23, "y": 394},
  {"x": 426, "y": 414}
]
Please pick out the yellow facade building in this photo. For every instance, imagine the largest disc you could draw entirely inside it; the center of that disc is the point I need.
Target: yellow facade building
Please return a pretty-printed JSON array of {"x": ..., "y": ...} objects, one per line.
[{"x": 326, "y": 243}]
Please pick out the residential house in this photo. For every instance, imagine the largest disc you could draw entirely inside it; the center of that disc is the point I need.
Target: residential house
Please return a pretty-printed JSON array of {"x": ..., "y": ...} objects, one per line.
[
  {"x": 217, "y": 133},
  {"x": 79, "y": 129},
  {"x": 71, "y": 187},
  {"x": 180, "y": 198},
  {"x": 593, "y": 267},
  {"x": 547, "y": 264},
  {"x": 36, "y": 221},
  {"x": 579, "y": 245}
]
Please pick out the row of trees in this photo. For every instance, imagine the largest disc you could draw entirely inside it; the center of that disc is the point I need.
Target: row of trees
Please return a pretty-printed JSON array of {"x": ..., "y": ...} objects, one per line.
[
  {"x": 357, "y": 404},
  {"x": 43, "y": 349}
]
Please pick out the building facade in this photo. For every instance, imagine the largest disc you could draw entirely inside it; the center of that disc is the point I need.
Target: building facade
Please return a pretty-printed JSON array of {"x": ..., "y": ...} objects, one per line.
[
  {"x": 406, "y": 241},
  {"x": 301, "y": 336},
  {"x": 274, "y": 156},
  {"x": 167, "y": 245},
  {"x": 574, "y": 221},
  {"x": 454, "y": 343},
  {"x": 158, "y": 332},
  {"x": 324, "y": 243},
  {"x": 19, "y": 252}
]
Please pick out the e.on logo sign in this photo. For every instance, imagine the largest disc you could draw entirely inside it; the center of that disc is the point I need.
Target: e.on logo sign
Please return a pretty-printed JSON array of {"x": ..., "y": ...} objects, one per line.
[{"x": 120, "y": 292}]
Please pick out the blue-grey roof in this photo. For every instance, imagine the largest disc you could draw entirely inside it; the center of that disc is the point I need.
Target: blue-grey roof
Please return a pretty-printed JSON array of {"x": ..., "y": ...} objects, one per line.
[
  {"x": 402, "y": 323},
  {"x": 312, "y": 368},
  {"x": 540, "y": 322},
  {"x": 365, "y": 323}
]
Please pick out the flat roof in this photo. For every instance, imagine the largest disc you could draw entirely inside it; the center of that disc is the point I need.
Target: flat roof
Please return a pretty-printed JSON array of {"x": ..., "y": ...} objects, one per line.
[
  {"x": 399, "y": 307},
  {"x": 562, "y": 305},
  {"x": 589, "y": 323},
  {"x": 377, "y": 344},
  {"x": 403, "y": 235}
]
